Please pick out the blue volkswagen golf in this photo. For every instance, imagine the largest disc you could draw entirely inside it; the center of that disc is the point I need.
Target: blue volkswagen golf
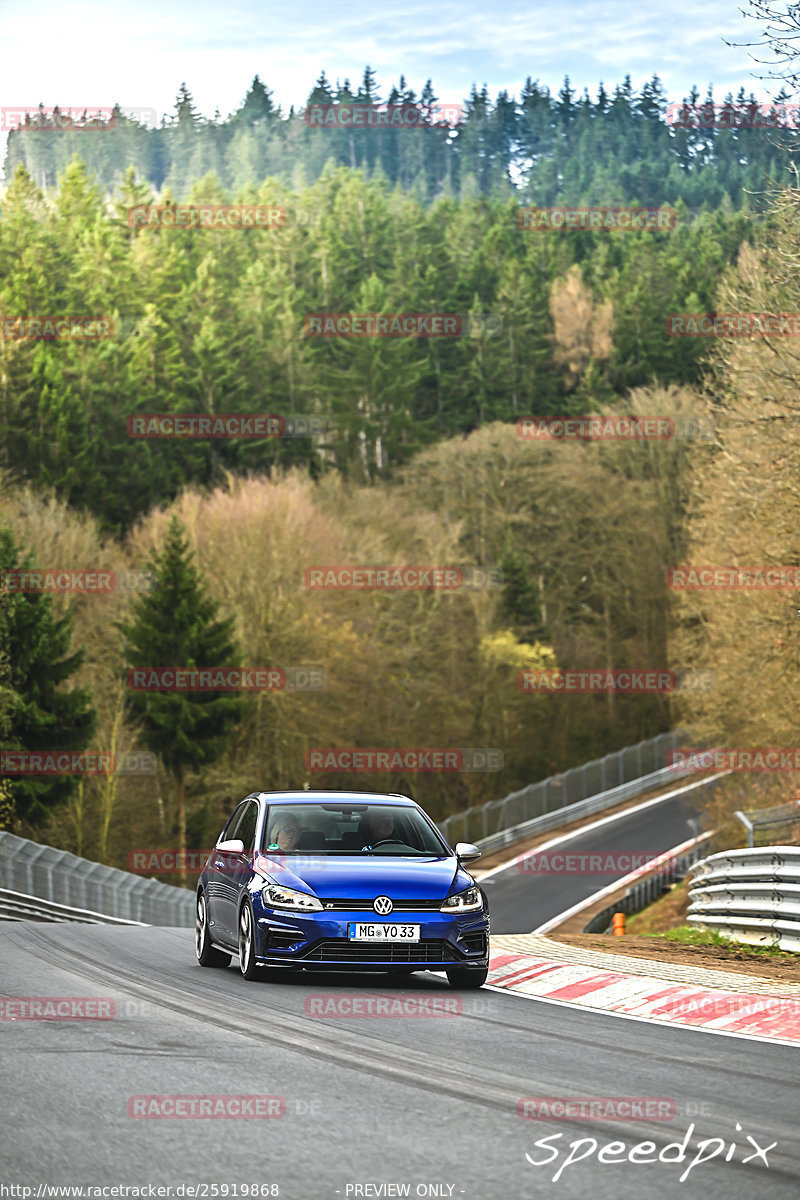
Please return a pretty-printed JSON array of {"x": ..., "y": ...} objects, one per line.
[{"x": 340, "y": 881}]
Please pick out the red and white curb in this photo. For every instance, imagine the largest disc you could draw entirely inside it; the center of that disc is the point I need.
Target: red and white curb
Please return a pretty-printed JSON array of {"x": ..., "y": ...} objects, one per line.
[{"x": 648, "y": 997}]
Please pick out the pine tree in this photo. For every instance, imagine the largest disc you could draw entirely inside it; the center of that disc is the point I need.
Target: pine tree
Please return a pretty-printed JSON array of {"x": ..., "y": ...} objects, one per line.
[
  {"x": 6, "y": 700},
  {"x": 40, "y": 714},
  {"x": 176, "y": 624}
]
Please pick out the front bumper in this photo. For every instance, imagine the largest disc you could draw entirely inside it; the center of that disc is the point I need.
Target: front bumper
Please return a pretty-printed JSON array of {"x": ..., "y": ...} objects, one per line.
[{"x": 319, "y": 941}]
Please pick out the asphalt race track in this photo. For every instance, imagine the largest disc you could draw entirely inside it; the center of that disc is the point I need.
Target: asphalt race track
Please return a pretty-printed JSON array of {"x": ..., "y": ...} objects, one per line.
[
  {"x": 426, "y": 1103},
  {"x": 520, "y": 901}
]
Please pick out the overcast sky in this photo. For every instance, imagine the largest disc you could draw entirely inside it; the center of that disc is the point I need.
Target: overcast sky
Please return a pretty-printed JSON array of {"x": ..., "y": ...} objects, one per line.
[{"x": 75, "y": 53}]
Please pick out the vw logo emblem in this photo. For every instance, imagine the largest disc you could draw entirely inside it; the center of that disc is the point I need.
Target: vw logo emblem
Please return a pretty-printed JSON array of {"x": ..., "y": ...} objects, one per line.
[{"x": 382, "y": 905}]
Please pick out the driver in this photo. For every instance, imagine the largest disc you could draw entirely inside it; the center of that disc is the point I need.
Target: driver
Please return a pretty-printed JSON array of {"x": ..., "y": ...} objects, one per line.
[
  {"x": 285, "y": 834},
  {"x": 380, "y": 827}
]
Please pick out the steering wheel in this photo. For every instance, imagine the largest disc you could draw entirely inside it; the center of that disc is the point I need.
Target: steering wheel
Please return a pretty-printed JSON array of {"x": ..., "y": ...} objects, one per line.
[{"x": 383, "y": 842}]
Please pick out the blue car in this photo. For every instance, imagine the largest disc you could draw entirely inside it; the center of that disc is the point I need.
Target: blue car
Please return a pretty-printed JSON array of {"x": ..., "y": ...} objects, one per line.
[{"x": 341, "y": 881}]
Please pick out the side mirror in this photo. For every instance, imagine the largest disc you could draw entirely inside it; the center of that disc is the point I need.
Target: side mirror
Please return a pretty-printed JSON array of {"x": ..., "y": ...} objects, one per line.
[
  {"x": 234, "y": 846},
  {"x": 466, "y": 852}
]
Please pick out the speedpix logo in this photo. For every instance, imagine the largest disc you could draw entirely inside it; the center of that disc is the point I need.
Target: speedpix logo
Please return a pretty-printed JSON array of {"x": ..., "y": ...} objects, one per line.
[{"x": 615, "y": 1153}]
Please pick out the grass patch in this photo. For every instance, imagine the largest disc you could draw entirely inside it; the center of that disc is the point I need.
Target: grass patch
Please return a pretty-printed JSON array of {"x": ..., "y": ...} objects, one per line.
[
  {"x": 685, "y": 935},
  {"x": 665, "y": 913}
]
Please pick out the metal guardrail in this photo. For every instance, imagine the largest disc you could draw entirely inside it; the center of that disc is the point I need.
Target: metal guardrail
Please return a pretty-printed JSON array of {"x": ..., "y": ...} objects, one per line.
[
  {"x": 780, "y": 822},
  {"x": 750, "y": 895},
  {"x": 60, "y": 878},
  {"x": 649, "y": 889},
  {"x": 16, "y": 907},
  {"x": 547, "y": 801},
  {"x": 65, "y": 881},
  {"x": 574, "y": 812}
]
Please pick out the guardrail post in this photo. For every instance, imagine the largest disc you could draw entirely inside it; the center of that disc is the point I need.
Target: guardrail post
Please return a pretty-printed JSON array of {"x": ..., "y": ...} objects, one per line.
[
  {"x": 33, "y": 858},
  {"x": 748, "y": 824}
]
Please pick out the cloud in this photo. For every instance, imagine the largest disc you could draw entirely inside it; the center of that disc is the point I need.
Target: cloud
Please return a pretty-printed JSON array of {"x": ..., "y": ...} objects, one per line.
[{"x": 98, "y": 53}]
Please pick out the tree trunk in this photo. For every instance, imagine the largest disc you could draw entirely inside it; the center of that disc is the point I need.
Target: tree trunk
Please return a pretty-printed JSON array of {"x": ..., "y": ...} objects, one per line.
[
  {"x": 609, "y": 655},
  {"x": 182, "y": 828}
]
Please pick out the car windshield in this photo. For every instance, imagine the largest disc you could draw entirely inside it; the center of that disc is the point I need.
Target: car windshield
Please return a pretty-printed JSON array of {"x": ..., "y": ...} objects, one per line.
[{"x": 340, "y": 828}]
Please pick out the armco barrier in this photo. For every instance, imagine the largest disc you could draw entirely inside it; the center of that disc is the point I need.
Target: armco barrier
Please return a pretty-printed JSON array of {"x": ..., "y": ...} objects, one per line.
[
  {"x": 61, "y": 878},
  {"x": 575, "y": 812},
  {"x": 561, "y": 798},
  {"x": 780, "y": 822},
  {"x": 649, "y": 889},
  {"x": 750, "y": 895},
  {"x": 38, "y": 872},
  {"x": 16, "y": 907}
]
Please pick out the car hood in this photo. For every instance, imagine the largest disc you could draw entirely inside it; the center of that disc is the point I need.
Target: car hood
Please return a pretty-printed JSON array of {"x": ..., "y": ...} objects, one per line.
[{"x": 358, "y": 877}]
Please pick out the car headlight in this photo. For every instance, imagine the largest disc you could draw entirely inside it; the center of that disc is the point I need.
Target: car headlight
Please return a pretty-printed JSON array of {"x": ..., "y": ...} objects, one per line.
[
  {"x": 466, "y": 901},
  {"x": 283, "y": 897}
]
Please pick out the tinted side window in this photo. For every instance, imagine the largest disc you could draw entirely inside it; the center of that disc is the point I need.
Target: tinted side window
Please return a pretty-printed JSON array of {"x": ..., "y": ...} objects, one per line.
[
  {"x": 246, "y": 827},
  {"x": 231, "y": 823}
]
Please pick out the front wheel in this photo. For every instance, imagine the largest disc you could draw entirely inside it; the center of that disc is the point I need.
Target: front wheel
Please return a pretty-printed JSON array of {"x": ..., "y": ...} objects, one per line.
[
  {"x": 465, "y": 979},
  {"x": 247, "y": 943},
  {"x": 207, "y": 955}
]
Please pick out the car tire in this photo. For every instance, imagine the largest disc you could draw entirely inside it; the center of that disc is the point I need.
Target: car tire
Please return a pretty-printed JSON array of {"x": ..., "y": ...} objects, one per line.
[
  {"x": 207, "y": 955},
  {"x": 247, "y": 943},
  {"x": 465, "y": 979}
]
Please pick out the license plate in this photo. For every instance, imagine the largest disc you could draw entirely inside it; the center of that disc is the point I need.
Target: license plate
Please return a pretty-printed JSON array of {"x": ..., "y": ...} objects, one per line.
[{"x": 358, "y": 931}]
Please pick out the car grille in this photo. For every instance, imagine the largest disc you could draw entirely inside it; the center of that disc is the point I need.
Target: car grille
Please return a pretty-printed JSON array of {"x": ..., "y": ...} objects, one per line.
[
  {"x": 365, "y": 905},
  {"x": 474, "y": 941},
  {"x": 344, "y": 950}
]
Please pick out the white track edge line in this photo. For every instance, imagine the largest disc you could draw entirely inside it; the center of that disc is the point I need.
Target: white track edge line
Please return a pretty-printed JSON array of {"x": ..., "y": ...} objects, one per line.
[
  {"x": 606, "y": 1012},
  {"x": 639, "y": 874},
  {"x": 564, "y": 837}
]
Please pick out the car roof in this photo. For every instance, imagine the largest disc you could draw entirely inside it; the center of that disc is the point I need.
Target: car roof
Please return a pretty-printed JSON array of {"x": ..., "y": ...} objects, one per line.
[{"x": 309, "y": 797}]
